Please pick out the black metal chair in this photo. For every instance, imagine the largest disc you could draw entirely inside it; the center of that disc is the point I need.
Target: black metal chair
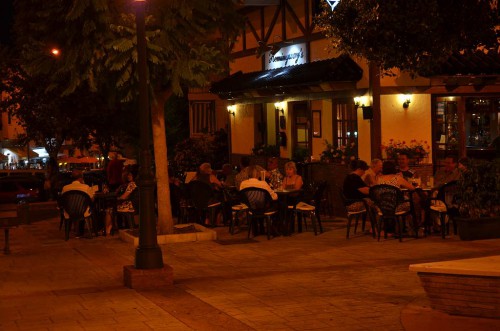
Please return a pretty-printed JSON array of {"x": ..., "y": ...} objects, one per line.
[
  {"x": 444, "y": 205},
  {"x": 233, "y": 208},
  {"x": 386, "y": 199},
  {"x": 75, "y": 204},
  {"x": 204, "y": 200},
  {"x": 355, "y": 214},
  {"x": 260, "y": 207},
  {"x": 310, "y": 206}
]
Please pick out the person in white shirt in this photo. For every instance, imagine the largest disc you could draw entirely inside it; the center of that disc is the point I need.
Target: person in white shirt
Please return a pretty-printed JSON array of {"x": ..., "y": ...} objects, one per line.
[
  {"x": 253, "y": 181},
  {"x": 79, "y": 185}
]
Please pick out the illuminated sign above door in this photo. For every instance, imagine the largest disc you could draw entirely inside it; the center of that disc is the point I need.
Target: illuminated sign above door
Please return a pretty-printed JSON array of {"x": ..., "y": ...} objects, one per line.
[{"x": 286, "y": 56}]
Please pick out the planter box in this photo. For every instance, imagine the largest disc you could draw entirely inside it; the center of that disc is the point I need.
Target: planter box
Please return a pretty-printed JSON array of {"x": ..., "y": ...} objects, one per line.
[
  {"x": 202, "y": 234},
  {"x": 475, "y": 229},
  {"x": 468, "y": 287}
]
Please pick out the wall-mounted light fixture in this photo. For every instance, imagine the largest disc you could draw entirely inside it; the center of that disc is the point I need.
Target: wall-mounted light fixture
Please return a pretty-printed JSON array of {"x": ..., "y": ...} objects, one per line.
[
  {"x": 280, "y": 106},
  {"x": 231, "y": 109},
  {"x": 360, "y": 101},
  {"x": 406, "y": 101}
]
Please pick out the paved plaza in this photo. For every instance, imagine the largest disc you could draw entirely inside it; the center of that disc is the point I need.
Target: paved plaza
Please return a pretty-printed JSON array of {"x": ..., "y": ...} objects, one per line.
[{"x": 301, "y": 282}]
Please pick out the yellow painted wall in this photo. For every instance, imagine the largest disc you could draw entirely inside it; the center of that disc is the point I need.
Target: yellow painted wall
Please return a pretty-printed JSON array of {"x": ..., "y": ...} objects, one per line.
[
  {"x": 406, "y": 124},
  {"x": 242, "y": 129}
]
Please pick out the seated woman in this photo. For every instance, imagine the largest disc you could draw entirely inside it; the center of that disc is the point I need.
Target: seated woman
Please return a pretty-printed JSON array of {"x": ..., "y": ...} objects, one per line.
[
  {"x": 124, "y": 204},
  {"x": 292, "y": 181},
  {"x": 354, "y": 187},
  {"x": 390, "y": 176}
]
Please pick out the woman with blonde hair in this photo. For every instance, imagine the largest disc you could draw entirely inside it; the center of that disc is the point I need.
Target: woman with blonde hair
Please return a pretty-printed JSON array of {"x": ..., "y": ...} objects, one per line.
[{"x": 292, "y": 181}]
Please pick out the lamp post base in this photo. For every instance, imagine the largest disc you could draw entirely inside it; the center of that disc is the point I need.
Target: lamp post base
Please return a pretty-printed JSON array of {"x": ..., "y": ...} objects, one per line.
[
  {"x": 147, "y": 279},
  {"x": 148, "y": 257}
]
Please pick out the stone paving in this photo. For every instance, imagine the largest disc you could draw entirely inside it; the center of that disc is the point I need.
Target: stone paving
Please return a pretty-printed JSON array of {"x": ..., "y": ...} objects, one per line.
[{"x": 301, "y": 282}]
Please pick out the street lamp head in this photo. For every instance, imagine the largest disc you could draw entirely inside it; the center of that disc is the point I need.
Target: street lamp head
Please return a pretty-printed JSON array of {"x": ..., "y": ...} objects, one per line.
[{"x": 55, "y": 51}]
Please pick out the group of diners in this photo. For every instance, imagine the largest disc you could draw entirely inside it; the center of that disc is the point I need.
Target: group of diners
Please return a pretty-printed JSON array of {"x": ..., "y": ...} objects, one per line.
[
  {"x": 357, "y": 184},
  {"x": 250, "y": 175},
  {"x": 120, "y": 202}
]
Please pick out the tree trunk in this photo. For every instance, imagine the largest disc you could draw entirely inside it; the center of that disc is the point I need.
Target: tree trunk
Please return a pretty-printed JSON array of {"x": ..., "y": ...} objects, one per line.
[{"x": 165, "y": 220}]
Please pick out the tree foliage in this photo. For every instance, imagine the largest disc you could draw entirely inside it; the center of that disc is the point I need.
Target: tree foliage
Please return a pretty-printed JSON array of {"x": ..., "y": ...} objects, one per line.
[{"x": 409, "y": 35}]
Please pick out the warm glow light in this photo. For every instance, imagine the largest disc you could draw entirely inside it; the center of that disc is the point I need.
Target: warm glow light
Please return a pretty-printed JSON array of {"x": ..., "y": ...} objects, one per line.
[
  {"x": 405, "y": 99},
  {"x": 279, "y": 105},
  {"x": 55, "y": 51},
  {"x": 361, "y": 101},
  {"x": 231, "y": 109}
]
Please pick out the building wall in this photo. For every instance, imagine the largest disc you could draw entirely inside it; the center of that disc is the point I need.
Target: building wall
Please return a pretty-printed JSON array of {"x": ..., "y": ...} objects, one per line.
[
  {"x": 406, "y": 124},
  {"x": 242, "y": 130}
]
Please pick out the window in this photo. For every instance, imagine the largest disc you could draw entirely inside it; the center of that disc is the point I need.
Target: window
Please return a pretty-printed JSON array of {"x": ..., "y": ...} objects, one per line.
[
  {"x": 202, "y": 117},
  {"x": 301, "y": 134},
  {"x": 345, "y": 124}
]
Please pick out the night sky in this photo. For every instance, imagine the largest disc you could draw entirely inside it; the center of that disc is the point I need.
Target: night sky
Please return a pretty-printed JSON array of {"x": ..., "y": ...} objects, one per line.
[{"x": 6, "y": 10}]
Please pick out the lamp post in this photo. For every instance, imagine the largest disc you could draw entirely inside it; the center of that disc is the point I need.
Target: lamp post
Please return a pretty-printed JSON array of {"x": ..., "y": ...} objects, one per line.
[{"x": 148, "y": 254}]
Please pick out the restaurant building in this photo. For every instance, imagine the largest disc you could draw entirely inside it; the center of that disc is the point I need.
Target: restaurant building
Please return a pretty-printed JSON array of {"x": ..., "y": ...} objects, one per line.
[{"x": 286, "y": 88}]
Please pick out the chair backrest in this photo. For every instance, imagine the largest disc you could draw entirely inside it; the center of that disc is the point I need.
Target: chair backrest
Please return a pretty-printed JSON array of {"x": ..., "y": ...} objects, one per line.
[
  {"x": 346, "y": 201},
  {"x": 201, "y": 193},
  {"x": 257, "y": 199},
  {"x": 320, "y": 191},
  {"x": 75, "y": 203},
  {"x": 447, "y": 193},
  {"x": 386, "y": 198}
]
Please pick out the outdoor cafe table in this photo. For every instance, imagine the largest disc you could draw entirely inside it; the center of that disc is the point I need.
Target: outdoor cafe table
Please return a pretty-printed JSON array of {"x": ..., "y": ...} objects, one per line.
[
  {"x": 411, "y": 198},
  {"x": 103, "y": 201},
  {"x": 284, "y": 197}
]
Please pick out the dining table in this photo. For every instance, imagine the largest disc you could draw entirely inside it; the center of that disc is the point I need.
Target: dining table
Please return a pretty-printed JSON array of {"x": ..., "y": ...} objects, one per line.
[
  {"x": 423, "y": 192},
  {"x": 287, "y": 198}
]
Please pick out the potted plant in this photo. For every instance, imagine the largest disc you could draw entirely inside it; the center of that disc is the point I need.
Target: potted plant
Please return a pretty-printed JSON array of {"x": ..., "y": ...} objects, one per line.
[
  {"x": 416, "y": 150},
  {"x": 478, "y": 201},
  {"x": 339, "y": 154}
]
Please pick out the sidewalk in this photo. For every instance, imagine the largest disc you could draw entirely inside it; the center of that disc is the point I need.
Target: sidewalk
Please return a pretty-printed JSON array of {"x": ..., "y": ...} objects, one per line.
[{"x": 300, "y": 282}]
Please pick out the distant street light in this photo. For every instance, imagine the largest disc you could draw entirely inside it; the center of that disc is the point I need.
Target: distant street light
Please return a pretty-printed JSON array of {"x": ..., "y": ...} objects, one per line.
[
  {"x": 55, "y": 51},
  {"x": 148, "y": 254}
]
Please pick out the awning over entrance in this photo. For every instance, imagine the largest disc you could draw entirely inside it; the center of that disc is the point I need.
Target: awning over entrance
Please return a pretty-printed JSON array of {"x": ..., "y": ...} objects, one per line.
[{"x": 335, "y": 74}]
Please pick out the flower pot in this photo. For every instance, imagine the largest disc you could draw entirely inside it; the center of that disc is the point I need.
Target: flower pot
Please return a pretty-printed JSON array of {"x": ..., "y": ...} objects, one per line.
[{"x": 478, "y": 228}]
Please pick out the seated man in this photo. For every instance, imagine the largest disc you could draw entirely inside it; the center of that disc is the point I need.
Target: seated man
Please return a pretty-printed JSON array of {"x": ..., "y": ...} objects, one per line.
[
  {"x": 254, "y": 181},
  {"x": 273, "y": 174},
  {"x": 227, "y": 175},
  {"x": 243, "y": 174},
  {"x": 448, "y": 173},
  {"x": 354, "y": 187},
  {"x": 404, "y": 166},
  {"x": 79, "y": 185}
]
